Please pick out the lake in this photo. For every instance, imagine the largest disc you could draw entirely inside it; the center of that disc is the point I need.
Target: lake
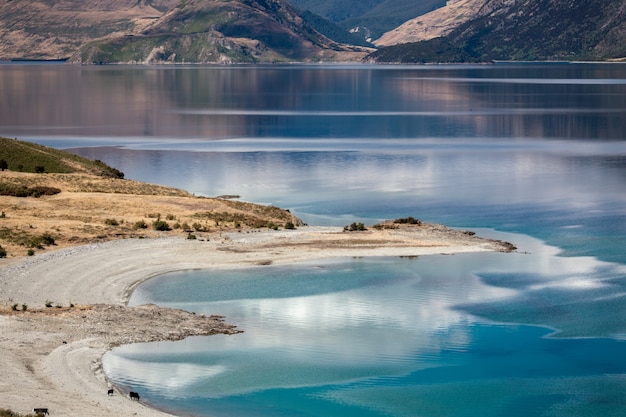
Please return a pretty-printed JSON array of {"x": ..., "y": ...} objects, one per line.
[{"x": 530, "y": 153}]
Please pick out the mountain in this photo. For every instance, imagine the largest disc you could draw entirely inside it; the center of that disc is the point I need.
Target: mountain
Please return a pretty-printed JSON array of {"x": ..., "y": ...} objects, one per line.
[
  {"x": 152, "y": 31},
  {"x": 521, "y": 30},
  {"x": 369, "y": 18},
  {"x": 434, "y": 24}
]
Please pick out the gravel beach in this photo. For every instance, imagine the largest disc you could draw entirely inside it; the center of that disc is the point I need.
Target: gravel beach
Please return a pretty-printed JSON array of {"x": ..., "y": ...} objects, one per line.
[{"x": 51, "y": 356}]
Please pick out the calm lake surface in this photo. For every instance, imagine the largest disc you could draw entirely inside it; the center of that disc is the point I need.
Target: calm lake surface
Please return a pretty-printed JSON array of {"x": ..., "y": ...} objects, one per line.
[{"x": 532, "y": 154}]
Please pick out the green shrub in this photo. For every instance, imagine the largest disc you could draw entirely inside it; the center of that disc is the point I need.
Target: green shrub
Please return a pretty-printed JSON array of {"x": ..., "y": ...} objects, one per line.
[
  {"x": 111, "y": 222},
  {"x": 40, "y": 241},
  {"x": 290, "y": 226},
  {"x": 3, "y": 252},
  {"x": 48, "y": 303},
  {"x": 355, "y": 227},
  {"x": 161, "y": 225},
  {"x": 15, "y": 190},
  {"x": 140, "y": 225},
  {"x": 24, "y": 307},
  {"x": 408, "y": 220},
  {"x": 191, "y": 236},
  {"x": 14, "y": 307}
]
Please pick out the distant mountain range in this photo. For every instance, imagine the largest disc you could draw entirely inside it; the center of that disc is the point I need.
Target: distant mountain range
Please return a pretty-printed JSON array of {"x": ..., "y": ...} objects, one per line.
[
  {"x": 158, "y": 31},
  {"x": 369, "y": 18},
  {"x": 229, "y": 31}
]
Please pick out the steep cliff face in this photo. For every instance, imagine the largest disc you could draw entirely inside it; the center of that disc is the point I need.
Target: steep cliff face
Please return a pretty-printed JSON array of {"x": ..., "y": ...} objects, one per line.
[
  {"x": 149, "y": 31},
  {"x": 524, "y": 30}
]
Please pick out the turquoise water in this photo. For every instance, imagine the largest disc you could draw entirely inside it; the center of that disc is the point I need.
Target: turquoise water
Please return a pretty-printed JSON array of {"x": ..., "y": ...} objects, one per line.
[
  {"x": 532, "y": 154},
  {"x": 426, "y": 336}
]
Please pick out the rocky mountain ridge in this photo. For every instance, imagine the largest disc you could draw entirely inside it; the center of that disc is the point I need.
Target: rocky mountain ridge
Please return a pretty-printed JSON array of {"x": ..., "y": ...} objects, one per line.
[{"x": 520, "y": 30}]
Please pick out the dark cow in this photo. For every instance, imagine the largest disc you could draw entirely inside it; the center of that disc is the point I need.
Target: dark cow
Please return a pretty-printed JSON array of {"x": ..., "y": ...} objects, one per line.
[
  {"x": 41, "y": 411},
  {"x": 110, "y": 392},
  {"x": 134, "y": 396}
]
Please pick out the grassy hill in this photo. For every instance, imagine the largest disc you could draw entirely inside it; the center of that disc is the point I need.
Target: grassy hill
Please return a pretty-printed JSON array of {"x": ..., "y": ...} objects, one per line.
[
  {"x": 31, "y": 157},
  {"x": 78, "y": 201}
]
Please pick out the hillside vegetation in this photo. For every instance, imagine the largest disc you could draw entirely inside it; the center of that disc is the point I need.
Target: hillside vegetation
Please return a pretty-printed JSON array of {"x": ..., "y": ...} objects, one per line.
[
  {"x": 40, "y": 210},
  {"x": 31, "y": 157},
  {"x": 525, "y": 30}
]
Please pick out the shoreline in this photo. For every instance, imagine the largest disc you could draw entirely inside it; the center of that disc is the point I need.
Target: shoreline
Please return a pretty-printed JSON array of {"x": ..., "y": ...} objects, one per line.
[{"x": 52, "y": 356}]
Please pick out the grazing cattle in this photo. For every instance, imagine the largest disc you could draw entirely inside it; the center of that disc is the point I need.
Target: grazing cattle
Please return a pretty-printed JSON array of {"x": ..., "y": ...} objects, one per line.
[
  {"x": 41, "y": 411},
  {"x": 110, "y": 392},
  {"x": 134, "y": 396}
]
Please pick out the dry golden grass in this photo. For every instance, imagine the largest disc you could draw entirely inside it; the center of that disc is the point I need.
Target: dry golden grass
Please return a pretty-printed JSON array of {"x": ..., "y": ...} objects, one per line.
[{"x": 91, "y": 209}]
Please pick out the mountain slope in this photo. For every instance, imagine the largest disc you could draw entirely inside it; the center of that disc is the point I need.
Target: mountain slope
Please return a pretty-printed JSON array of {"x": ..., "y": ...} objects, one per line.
[
  {"x": 525, "y": 30},
  {"x": 149, "y": 31},
  {"x": 47, "y": 29},
  {"x": 369, "y": 18},
  {"x": 439, "y": 22}
]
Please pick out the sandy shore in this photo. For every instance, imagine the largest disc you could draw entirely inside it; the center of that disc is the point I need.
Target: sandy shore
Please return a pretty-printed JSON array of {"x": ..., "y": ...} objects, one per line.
[{"x": 51, "y": 358}]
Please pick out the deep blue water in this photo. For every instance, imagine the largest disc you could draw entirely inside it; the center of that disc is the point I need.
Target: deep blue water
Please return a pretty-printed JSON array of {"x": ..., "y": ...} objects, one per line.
[{"x": 533, "y": 154}]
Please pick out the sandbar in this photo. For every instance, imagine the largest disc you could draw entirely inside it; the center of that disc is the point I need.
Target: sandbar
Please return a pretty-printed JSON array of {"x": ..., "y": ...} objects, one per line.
[{"x": 51, "y": 356}]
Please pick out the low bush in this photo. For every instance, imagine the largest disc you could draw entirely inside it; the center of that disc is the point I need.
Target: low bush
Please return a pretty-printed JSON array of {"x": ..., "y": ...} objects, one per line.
[
  {"x": 140, "y": 225},
  {"x": 408, "y": 220},
  {"x": 41, "y": 240},
  {"x": 111, "y": 222},
  {"x": 161, "y": 225},
  {"x": 14, "y": 190},
  {"x": 3, "y": 252},
  {"x": 355, "y": 227}
]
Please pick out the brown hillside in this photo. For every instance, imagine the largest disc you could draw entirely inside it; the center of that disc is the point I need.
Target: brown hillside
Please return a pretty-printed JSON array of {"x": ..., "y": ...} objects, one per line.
[
  {"x": 159, "y": 31},
  {"x": 439, "y": 22},
  {"x": 92, "y": 208}
]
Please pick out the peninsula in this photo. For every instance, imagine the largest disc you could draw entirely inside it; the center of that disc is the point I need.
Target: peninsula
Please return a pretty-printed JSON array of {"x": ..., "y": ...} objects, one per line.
[{"x": 65, "y": 305}]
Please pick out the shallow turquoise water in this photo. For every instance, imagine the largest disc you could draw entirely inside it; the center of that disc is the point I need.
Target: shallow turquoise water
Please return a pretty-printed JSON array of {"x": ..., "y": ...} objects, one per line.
[{"x": 427, "y": 336}]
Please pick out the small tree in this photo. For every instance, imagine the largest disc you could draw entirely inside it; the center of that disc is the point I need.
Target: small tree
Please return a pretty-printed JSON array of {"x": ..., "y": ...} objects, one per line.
[
  {"x": 3, "y": 165},
  {"x": 39, "y": 169}
]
